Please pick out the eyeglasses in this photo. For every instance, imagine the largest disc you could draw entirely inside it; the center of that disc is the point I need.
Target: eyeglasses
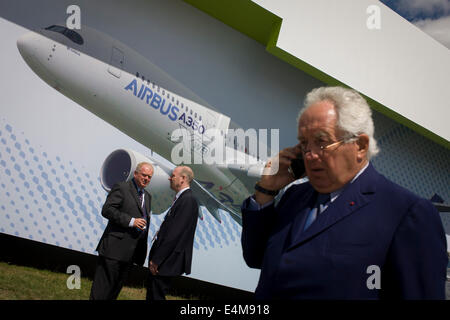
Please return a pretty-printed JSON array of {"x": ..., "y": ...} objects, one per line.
[{"x": 320, "y": 147}]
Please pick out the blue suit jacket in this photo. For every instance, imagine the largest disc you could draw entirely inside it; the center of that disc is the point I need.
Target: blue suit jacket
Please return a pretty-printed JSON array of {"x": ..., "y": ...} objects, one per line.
[{"x": 373, "y": 222}]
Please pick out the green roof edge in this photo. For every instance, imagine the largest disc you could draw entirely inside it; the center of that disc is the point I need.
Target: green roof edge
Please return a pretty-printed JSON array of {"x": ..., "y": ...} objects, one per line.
[{"x": 263, "y": 26}]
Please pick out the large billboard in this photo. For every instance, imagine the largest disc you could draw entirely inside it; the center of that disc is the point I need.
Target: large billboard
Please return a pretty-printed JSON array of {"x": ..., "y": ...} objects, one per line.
[{"x": 52, "y": 147}]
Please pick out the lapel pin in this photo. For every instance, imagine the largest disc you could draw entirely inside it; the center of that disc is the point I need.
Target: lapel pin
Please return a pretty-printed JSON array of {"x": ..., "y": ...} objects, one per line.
[{"x": 352, "y": 203}]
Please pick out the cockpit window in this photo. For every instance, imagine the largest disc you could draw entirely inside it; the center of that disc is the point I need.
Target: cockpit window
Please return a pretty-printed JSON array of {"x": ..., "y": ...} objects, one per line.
[{"x": 72, "y": 35}]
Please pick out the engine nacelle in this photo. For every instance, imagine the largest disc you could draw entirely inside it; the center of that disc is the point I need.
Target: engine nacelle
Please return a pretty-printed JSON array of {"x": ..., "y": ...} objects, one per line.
[{"x": 120, "y": 165}]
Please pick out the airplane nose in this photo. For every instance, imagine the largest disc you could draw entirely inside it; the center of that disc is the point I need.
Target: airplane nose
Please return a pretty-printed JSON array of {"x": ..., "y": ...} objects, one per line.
[
  {"x": 27, "y": 44},
  {"x": 32, "y": 49}
]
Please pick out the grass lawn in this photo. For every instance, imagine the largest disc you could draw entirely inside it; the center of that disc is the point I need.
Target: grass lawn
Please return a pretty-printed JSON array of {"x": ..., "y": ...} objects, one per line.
[{"x": 25, "y": 283}]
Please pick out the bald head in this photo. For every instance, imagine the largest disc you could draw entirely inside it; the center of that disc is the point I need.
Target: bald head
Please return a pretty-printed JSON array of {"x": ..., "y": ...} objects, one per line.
[{"x": 181, "y": 178}]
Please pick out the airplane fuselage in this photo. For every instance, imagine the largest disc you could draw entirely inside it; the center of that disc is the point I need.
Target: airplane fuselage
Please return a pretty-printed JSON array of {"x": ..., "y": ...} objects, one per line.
[{"x": 126, "y": 93}]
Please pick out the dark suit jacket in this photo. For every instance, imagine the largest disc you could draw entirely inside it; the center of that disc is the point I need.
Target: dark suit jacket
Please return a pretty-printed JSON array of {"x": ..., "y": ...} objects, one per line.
[
  {"x": 172, "y": 250},
  {"x": 372, "y": 222},
  {"x": 119, "y": 241}
]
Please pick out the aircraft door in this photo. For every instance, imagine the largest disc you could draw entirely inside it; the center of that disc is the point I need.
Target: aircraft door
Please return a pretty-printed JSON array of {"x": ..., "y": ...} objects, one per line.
[{"x": 116, "y": 64}]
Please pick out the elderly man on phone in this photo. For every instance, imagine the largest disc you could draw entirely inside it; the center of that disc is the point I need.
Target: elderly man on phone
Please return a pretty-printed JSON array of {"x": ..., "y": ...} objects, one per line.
[{"x": 348, "y": 232}]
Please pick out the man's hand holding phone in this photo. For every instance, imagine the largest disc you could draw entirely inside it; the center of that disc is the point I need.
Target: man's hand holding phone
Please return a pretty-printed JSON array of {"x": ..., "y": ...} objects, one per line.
[{"x": 278, "y": 173}]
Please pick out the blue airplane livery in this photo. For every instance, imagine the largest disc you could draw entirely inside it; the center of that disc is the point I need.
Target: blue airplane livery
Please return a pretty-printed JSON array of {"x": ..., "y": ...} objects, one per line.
[{"x": 157, "y": 102}]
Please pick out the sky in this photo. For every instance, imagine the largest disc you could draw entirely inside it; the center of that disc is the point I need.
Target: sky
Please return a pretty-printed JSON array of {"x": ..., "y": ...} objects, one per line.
[{"x": 431, "y": 16}]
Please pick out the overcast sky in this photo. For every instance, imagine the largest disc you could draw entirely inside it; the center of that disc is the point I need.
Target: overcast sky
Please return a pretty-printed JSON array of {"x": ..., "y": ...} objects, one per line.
[{"x": 432, "y": 16}]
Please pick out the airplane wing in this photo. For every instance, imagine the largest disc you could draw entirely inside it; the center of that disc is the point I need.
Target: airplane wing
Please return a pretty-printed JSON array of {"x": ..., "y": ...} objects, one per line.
[
  {"x": 212, "y": 204},
  {"x": 204, "y": 197},
  {"x": 243, "y": 175}
]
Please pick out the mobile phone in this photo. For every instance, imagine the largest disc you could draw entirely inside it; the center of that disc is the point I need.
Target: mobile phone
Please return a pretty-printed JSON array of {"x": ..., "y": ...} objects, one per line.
[{"x": 297, "y": 167}]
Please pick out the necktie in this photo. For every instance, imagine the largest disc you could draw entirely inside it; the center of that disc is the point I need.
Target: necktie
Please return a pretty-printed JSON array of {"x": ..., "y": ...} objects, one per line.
[
  {"x": 170, "y": 208},
  {"x": 322, "y": 200},
  {"x": 142, "y": 202}
]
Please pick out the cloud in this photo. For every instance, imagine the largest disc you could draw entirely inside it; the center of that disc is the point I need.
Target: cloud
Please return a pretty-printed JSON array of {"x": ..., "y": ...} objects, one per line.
[
  {"x": 438, "y": 29},
  {"x": 429, "y": 8}
]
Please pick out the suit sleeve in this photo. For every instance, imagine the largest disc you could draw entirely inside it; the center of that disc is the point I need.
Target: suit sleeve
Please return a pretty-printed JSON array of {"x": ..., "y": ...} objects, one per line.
[
  {"x": 256, "y": 229},
  {"x": 417, "y": 260},
  {"x": 112, "y": 208},
  {"x": 175, "y": 227}
]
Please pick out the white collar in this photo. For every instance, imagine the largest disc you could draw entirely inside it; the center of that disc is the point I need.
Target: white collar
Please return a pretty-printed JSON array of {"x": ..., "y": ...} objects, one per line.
[
  {"x": 180, "y": 192},
  {"x": 335, "y": 194},
  {"x": 360, "y": 171}
]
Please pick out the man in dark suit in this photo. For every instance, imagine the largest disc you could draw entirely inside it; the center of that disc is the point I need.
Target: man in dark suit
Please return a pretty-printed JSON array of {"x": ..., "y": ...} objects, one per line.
[
  {"x": 124, "y": 241},
  {"x": 346, "y": 232},
  {"x": 171, "y": 253}
]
